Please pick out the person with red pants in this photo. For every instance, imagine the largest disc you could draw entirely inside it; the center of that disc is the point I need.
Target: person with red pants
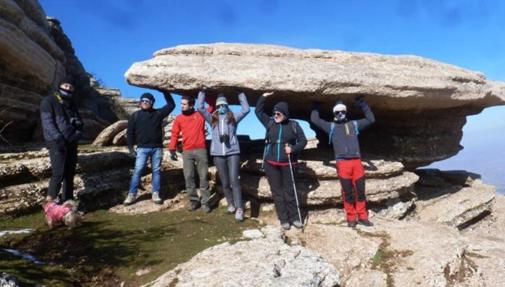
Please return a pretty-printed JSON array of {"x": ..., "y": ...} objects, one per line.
[{"x": 343, "y": 136}]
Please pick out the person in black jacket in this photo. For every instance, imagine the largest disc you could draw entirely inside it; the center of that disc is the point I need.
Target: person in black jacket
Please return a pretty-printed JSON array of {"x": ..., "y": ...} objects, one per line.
[
  {"x": 284, "y": 138},
  {"x": 343, "y": 135},
  {"x": 145, "y": 129},
  {"x": 62, "y": 129}
]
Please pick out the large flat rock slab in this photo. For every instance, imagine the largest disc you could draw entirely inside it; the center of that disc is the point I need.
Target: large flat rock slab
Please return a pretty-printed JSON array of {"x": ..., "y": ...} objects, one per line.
[
  {"x": 420, "y": 104},
  {"x": 398, "y": 82}
]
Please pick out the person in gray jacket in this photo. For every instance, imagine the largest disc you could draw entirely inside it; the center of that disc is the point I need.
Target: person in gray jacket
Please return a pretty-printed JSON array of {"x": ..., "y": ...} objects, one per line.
[{"x": 225, "y": 147}]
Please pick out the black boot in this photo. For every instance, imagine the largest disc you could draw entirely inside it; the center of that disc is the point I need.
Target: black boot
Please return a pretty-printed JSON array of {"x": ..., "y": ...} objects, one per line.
[
  {"x": 365, "y": 222},
  {"x": 351, "y": 224},
  {"x": 194, "y": 205}
]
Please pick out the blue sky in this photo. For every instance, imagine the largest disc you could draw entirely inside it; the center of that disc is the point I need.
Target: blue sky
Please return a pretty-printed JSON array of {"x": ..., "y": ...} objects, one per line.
[{"x": 109, "y": 36}]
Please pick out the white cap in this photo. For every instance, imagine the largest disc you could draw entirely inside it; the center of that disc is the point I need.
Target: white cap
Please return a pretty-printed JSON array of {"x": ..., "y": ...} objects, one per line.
[{"x": 339, "y": 108}]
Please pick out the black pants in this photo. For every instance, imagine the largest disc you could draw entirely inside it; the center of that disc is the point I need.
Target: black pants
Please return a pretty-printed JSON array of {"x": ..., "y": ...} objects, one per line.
[
  {"x": 63, "y": 161},
  {"x": 281, "y": 185}
]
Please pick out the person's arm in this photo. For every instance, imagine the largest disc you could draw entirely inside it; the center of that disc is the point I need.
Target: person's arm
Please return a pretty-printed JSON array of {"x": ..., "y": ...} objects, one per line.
[
  {"x": 169, "y": 107},
  {"x": 369, "y": 116},
  {"x": 176, "y": 130},
  {"x": 301, "y": 140},
  {"x": 317, "y": 121},
  {"x": 130, "y": 131},
  {"x": 260, "y": 110},
  {"x": 200, "y": 107},
  {"x": 245, "y": 108},
  {"x": 48, "y": 125}
]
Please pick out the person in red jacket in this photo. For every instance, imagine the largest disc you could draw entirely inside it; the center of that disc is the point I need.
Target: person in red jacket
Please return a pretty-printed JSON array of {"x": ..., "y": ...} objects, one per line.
[{"x": 191, "y": 125}]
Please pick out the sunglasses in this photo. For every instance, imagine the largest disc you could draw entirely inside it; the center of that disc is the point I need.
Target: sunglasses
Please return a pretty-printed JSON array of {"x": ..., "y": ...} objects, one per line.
[
  {"x": 145, "y": 101},
  {"x": 277, "y": 114},
  {"x": 340, "y": 113},
  {"x": 221, "y": 106}
]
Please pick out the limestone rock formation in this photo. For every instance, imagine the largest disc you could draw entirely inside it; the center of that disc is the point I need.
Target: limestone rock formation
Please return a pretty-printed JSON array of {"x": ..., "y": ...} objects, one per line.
[
  {"x": 452, "y": 198},
  {"x": 267, "y": 261},
  {"x": 318, "y": 184},
  {"x": 420, "y": 104},
  {"x": 108, "y": 134},
  {"x": 35, "y": 56}
]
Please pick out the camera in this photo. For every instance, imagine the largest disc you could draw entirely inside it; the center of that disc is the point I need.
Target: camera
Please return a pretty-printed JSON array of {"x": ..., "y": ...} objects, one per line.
[{"x": 224, "y": 138}]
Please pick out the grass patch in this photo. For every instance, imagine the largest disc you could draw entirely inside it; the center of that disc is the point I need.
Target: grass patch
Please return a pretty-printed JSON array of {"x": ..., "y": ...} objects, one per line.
[{"x": 109, "y": 248}]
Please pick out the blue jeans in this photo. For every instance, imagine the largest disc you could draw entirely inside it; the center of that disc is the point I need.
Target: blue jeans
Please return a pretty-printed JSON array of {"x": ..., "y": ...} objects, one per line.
[{"x": 143, "y": 154}]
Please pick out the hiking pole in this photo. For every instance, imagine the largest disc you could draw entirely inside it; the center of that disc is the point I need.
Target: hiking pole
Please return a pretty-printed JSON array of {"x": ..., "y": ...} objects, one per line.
[{"x": 294, "y": 189}]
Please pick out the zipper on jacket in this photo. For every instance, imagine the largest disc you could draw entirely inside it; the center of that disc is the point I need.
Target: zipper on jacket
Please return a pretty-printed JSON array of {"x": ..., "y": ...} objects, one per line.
[
  {"x": 221, "y": 122},
  {"x": 279, "y": 143}
]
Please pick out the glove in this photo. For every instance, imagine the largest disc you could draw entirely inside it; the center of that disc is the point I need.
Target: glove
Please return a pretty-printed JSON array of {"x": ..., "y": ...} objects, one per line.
[
  {"x": 132, "y": 151},
  {"x": 173, "y": 155},
  {"x": 360, "y": 101}
]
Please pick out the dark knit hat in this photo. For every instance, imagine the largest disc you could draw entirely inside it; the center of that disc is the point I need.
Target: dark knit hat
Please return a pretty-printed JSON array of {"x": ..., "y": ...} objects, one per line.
[
  {"x": 282, "y": 107},
  {"x": 148, "y": 96},
  {"x": 68, "y": 80}
]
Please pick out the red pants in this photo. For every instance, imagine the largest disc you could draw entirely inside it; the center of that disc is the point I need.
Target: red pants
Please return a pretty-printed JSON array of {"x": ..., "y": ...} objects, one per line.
[{"x": 352, "y": 178}]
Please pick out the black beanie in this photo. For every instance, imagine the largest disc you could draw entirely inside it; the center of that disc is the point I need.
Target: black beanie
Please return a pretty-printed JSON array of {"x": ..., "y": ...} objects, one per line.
[
  {"x": 148, "y": 96},
  {"x": 283, "y": 108},
  {"x": 68, "y": 80}
]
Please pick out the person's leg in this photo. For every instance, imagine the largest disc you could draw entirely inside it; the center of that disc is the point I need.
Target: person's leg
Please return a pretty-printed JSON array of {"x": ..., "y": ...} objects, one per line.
[
  {"x": 57, "y": 154},
  {"x": 222, "y": 169},
  {"x": 234, "y": 176},
  {"x": 274, "y": 176},
  {"x": 359, "y": 184},
  {"x": 188, "y": 161},
  {"x": 202, "y": 166},
  {"x": 289, "y": 194},
  {"x": 345, "y": 175},
  {"x": 156, "y": 158},
  {"x": 69, "y": 172},
  {"x": 140, "y": 164}
]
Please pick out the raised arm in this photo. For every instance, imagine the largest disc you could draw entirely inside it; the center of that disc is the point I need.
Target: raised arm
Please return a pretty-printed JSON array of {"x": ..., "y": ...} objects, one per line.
[
  {"x": 369, "y": 116},
  {"x": 169, "y": 107},
  {"x": 260, "y": 110},
  {"x": 200, "y": 107},
  {"x": 317, "y": 121},
  {"x": 245, "y": 108}
]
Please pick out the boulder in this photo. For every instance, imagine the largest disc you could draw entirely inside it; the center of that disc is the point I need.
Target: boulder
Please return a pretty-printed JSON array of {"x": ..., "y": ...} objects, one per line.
[
  {"x": 420, "y": 104},
  {"x": 267, "y": 261},
  {"x": 120, "y": 138},
  {"x": 107, "y": 135}
]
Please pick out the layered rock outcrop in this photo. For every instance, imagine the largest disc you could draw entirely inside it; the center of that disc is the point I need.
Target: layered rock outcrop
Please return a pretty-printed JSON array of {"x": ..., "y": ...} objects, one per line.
[
  {"x": 35, "y": 56},
  {"x": 420, "y": 104}
]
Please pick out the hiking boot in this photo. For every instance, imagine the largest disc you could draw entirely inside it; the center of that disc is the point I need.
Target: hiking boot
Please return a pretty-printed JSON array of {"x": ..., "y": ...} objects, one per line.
[
  {"x": 351, "y": 224},
  {"x": 156, "y": 198},
  {"x": 365, "y": 222},
  {"x": 239, "y": 215},
  {"x": 297, "y": 224},
  {"x": 286, "y": 226},
  {"x": 130, "y": 199},
  {"x": 231, "y": 209},
  {"x": 206, "y": 208},
  {"x": 194, "y": 205}
]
